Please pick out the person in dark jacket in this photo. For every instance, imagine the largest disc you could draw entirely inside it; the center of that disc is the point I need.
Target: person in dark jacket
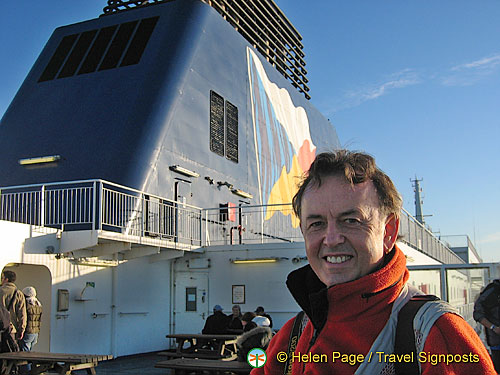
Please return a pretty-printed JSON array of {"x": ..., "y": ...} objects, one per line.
[
  {"x": 34, "y": 316},
  {"x": 257, "y": 337},
  {"x": 13, "y": 300},
  {"x": 216, "y": 324},
  {"x": 246, "y": 320},
  {"x": 235, "y": 325},
  {"x": 487, "y": 312}
]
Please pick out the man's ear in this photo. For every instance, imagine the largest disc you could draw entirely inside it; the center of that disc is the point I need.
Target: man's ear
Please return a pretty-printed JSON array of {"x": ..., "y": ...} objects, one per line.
[{"x": 390, "y": 232}]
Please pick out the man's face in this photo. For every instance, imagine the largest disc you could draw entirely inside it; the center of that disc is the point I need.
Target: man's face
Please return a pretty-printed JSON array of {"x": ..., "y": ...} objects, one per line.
[{"x": 344, "y": 231}]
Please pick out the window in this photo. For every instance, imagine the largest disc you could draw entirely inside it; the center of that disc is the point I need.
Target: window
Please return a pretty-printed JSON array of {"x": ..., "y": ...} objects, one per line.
[
  {"x": 191, "y": 299},
  {"x": 223, "y": 127}
]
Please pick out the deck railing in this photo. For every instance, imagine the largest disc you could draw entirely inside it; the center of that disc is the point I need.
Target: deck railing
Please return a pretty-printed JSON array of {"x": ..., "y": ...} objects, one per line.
[
  {"x": 102, "y": 205},
  {"x": 250, "y": 224},
  {"x": 416, "y": 235}
]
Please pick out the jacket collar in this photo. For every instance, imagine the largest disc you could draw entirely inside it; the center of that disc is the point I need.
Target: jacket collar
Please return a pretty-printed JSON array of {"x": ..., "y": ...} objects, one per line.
[
  {"x": 9, "y": 285},
  {"x": 318, "y": 301}
]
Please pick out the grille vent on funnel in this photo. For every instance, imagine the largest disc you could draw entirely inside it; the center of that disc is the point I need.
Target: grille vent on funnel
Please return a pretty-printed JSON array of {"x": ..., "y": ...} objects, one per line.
[{"x": 107, "y": 48}]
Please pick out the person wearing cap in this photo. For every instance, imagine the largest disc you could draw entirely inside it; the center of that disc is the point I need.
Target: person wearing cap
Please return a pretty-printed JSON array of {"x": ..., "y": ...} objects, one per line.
[
  {"x": 260, "y": 312},
  {"x": 217, "y": 323},
  {"x": 34, "y": 316},
  {"x": 262, "y": 321}
]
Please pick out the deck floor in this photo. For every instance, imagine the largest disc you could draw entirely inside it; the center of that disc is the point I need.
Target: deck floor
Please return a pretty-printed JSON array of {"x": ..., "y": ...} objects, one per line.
[{"x": 135, "y": 364}]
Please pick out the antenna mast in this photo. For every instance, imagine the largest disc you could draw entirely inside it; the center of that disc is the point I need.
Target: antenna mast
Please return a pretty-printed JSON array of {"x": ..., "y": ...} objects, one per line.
[{"x": 418, "y": 200}]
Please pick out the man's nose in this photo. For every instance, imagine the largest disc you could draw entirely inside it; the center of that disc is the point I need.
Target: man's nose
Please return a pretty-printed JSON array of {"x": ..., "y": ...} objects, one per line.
[{"x": 333, "y": 235}]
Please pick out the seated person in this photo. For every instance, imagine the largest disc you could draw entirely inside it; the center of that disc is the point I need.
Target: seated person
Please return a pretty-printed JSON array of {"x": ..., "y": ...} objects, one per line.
[
  {"x": 216, "y": 324},
  {"x": 235, "y": 325},
  {"x": 260, "y": 311},
  {"x": 246, "y": 321},
  {"x": 257, "y": 337}
]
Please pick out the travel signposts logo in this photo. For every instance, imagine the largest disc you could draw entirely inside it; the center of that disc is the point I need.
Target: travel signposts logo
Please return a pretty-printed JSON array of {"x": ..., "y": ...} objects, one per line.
[{"x": 256, "y": 357}]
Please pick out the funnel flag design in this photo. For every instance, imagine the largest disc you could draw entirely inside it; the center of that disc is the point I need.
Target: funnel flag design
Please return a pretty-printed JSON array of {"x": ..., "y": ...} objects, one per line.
[{"x": 284, "y": 148}]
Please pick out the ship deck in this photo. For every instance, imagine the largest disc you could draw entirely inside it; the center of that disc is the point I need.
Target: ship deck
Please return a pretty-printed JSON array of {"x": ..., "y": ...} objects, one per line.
[{"x": 133, "y": 364}]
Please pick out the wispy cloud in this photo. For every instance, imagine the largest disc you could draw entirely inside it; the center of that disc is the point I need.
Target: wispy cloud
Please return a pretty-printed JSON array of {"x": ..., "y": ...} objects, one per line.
[
  {"x": 353, "y": 98},
  {"x": 484, "y": 63},
  {"x": 490, "y": 238},
  {"x": 472, "y": 72},
  {"x": 465, "y": 74}
]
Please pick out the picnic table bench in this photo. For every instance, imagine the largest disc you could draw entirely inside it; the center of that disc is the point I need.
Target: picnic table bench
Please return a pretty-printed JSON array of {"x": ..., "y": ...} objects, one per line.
[
  {"x": 61, "y": 363},
  {"x": 203, "y": 346},
  {"x": 181, "y": 365}
]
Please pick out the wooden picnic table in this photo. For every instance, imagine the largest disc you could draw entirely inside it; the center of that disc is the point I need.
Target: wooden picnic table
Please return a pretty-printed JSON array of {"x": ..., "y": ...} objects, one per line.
[
  {"x": 180, "y": 365},
  {"x": 203, "y": 346},
  {"x": 62, "y": 363}
]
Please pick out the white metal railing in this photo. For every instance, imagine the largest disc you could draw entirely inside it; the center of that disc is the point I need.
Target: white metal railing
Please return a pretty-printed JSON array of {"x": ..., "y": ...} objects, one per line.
[
  {"x": 415, "y": 234},
  {"x": 460, "y": 241},
  {"x": 250, "y": 224},
  {"x": 102, "y": 205}
]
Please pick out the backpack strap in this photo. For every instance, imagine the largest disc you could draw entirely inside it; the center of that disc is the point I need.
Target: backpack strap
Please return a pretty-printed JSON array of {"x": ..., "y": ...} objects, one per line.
[
  {"x": 405, "y": 334},
  {"x": 298, "y": 327}
]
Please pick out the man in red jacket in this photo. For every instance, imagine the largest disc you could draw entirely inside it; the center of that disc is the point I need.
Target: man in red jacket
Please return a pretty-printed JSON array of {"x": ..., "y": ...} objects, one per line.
[{"x": 356, "y": 283}]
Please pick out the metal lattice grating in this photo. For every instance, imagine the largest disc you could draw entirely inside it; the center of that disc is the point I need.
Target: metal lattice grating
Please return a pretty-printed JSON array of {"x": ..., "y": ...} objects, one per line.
[
  {"x": 261, "y": 23},
  {"x": 216, "y": 123},
  {"x": 232, "y": 132}
]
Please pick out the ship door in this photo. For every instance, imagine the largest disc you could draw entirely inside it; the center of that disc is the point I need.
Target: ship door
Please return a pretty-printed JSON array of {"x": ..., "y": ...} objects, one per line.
[
  {"x": 182, "y": 191},
  {"x": 191, "y": 302}
]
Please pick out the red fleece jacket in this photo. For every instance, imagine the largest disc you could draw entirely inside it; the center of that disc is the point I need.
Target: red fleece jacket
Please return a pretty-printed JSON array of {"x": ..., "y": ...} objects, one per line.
[{"x": 356, "y": 313}]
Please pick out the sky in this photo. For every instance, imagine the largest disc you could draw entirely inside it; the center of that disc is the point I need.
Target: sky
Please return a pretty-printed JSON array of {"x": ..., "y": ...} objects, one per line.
[{"x": 414, "y": 83}]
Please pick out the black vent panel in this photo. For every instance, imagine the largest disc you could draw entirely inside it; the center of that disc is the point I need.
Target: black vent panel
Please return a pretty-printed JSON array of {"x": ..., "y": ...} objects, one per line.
[
  {"x": 139, "y": 41},
  {"x": 223, "y": 127},
  {"x": 97, "y": 50},
  {"x": 77, "y": 54},
  {"x": 118, "y": 45},
  {"x": 100, "y": 49},
  {"x": 216, "y": 123},
  {"x": 58, "y": 58},
  {"x": 232, "y": 132}
]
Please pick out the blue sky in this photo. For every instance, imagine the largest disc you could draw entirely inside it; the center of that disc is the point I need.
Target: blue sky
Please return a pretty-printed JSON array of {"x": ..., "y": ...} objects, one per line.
[{"x": 414, "y": 83}]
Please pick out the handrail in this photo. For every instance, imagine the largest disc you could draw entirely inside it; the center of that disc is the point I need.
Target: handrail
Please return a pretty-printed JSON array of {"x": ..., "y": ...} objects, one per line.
[
  {"x": 76, "y": 182},
  {"x": 101, "y": 205}
]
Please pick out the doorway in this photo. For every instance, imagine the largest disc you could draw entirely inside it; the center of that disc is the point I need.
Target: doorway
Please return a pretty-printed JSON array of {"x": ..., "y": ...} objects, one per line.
[
  {"x": 191, "y": 302},
  {"x": 39, "y": 277}
]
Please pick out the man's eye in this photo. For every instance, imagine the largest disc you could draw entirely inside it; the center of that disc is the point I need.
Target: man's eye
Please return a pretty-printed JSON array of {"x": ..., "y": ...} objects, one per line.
[
  {"x": 351, "y": 220},
  {"x": 316, "y": 224}
]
